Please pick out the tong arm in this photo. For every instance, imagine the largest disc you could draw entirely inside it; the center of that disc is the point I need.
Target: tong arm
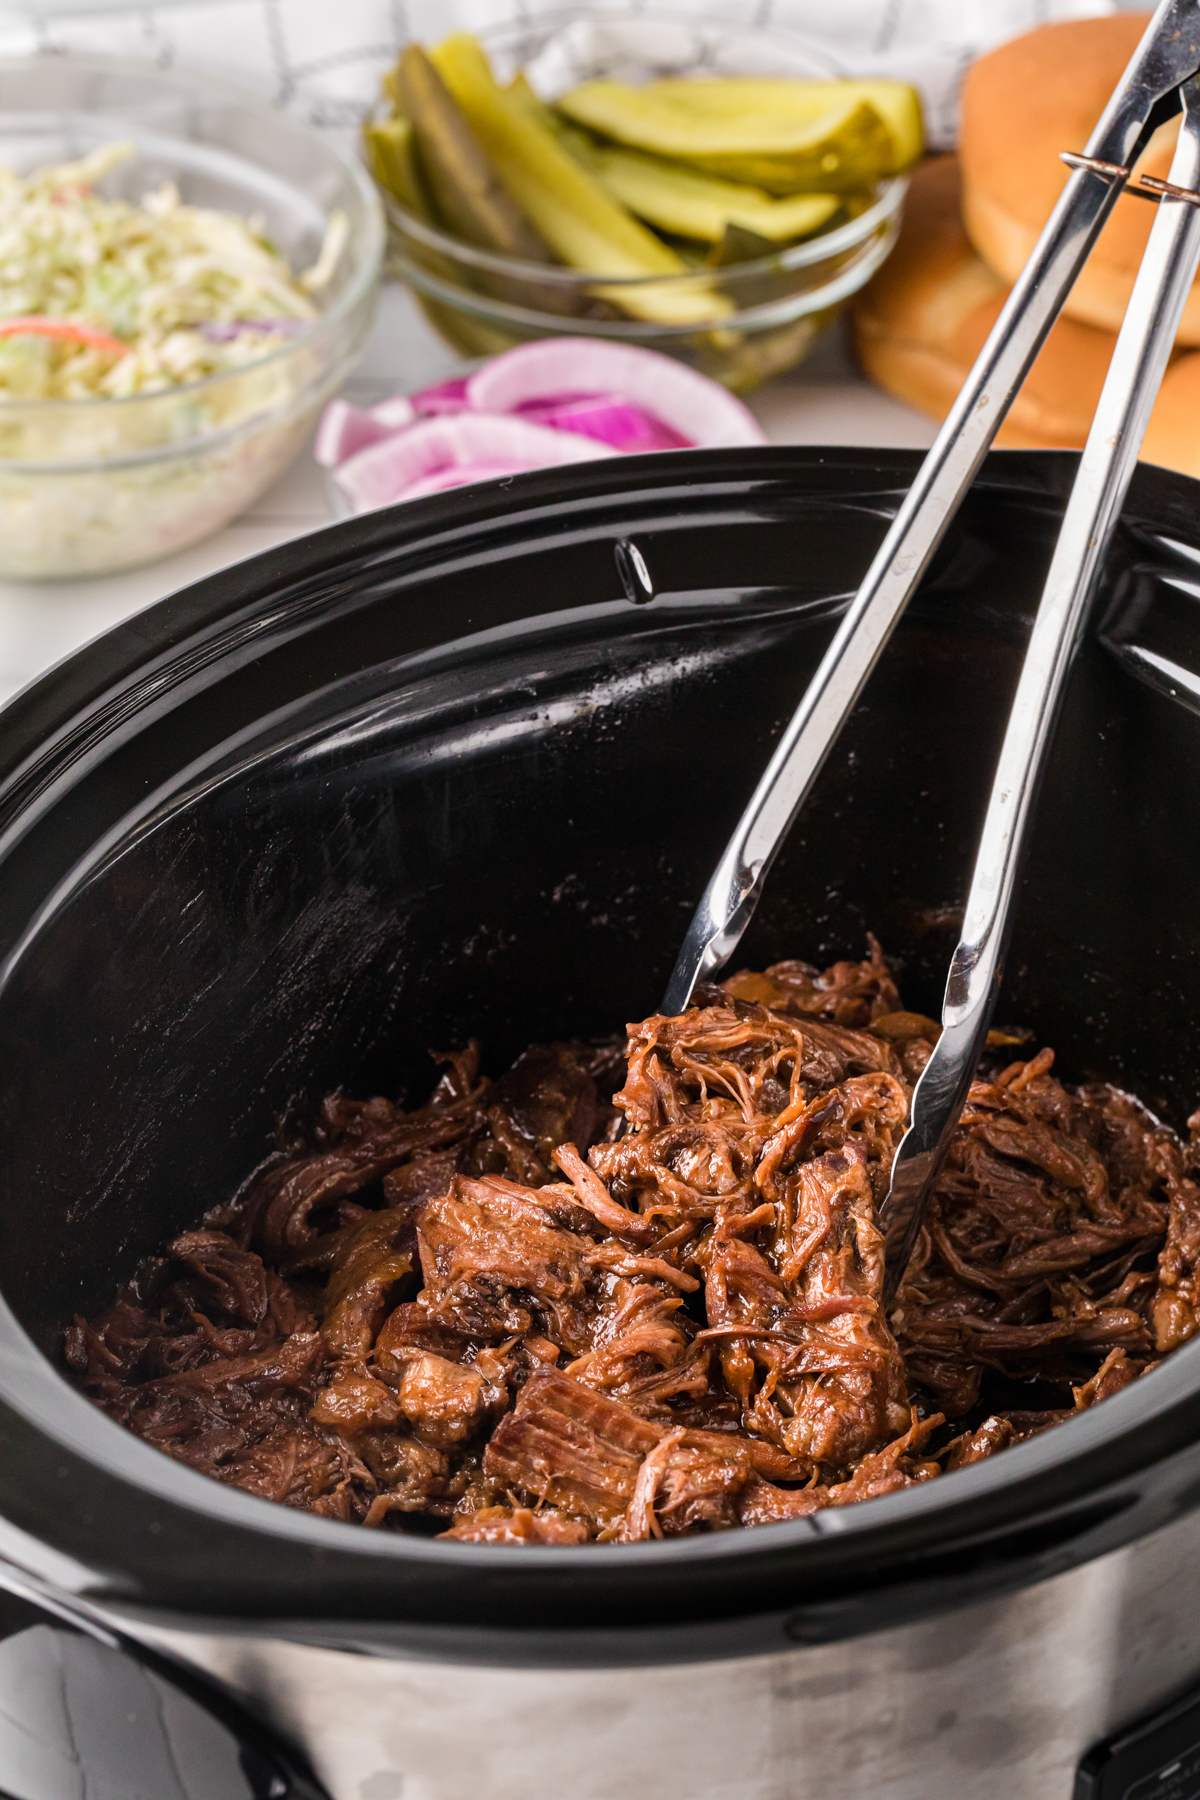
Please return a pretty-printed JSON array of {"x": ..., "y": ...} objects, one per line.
[
  {"x": 1139, "y": 361},
  {"x": 1148, "y": 93}
]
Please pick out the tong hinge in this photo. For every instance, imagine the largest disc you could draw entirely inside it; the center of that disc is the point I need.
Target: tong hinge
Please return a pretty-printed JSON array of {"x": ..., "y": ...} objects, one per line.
[{"x": 1147, "y": 187}]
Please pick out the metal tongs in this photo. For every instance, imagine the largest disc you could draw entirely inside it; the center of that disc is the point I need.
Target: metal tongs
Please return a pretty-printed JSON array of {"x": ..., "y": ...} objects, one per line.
[{"x": 1159, "y": 83}]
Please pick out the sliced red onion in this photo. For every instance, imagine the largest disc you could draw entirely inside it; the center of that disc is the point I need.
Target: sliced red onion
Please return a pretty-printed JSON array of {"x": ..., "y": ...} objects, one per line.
[
  {"x": 395, "y": 412},
  {"x": 699, "y": 410},
  {"x": 555, "y": 401},
  {"x": 344, "y": 429},
  {"x": 609, "y": 418},
  {"x": 380, "y": 474},
  {"x": 443, "y": 397}
]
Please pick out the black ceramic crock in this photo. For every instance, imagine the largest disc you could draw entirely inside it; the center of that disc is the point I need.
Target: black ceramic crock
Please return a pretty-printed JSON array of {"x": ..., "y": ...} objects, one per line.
[{"x": 437, "y": 773}]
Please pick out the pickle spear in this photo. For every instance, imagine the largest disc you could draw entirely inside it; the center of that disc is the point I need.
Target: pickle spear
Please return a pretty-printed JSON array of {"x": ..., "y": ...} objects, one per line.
[
  {"x": 391, "y": 156},
  {"x": 467, "y": 192},
  {"x": 739, "y": 244},
  {"x": 578, "y": 218},
  {"x": 898, "y": 105},
  {"x": 520, "y": 89},
  {"x": 683, "y": 201},
  {"x": 828, "y": 141}
]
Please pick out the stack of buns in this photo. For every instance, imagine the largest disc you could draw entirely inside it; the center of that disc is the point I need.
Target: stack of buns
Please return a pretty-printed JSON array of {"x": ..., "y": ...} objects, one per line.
[{"x": 971, "y": 222}]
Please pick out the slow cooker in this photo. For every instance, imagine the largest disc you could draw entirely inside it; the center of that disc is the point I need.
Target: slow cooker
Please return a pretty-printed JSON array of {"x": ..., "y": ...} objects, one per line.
[{"x": 461, "y": 769}]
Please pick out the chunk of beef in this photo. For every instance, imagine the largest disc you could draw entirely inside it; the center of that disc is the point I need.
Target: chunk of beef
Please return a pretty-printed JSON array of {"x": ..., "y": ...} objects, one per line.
[
  {"x": 849, "y": 993},
  {"x": 1032, "y": 1259},
  {"x": 291, "y": 1210},
  {"x": 549, "y": 1097},
  {"x": 687, "y": 1485},
  {"x": 899, "y": 1464},
  {"x": 352, "y": 1404},
  {"x": 517, "y": 1525},
  {"x": 291, "y": 1364},
  {"x": 227, "y": 1278},
  {"x": 492, "y": 1258},
  {"x": 371, "y": 1259},
  {"x": 1175, "y": 1305},
  {"x": 445, "y": 1401},
  {"x": 640, "y": 1339},
  {"x": 811, "y": 1318},
  {"x": 744, "y": 1055},
  {"x": 1115, "y": 1372},
  {"x": 410, "y": 1477},
  {"x": 571, "y": 1446},
  {"x": 976, "y": 1446}
]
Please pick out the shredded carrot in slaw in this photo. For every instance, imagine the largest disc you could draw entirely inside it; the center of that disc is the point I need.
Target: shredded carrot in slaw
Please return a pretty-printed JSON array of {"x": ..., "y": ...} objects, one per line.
[{"x": 37, "y": 325}]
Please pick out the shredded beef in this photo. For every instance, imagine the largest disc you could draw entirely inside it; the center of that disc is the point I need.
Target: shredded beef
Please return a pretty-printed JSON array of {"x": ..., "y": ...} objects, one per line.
[{"x": 535, "y": 1311}]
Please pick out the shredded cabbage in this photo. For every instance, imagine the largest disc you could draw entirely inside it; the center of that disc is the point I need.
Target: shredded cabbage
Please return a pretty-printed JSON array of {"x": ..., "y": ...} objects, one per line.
[{"x": 188, "y": 292}]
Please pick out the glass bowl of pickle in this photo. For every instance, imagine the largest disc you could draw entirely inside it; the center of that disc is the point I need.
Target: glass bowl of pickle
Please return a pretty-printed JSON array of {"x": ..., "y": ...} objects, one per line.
[{"x": 708, "y": 189}]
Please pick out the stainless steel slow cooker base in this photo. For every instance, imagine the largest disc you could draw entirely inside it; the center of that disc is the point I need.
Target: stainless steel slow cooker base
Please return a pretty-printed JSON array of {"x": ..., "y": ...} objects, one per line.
[{"x": 1001, "y": 1698}]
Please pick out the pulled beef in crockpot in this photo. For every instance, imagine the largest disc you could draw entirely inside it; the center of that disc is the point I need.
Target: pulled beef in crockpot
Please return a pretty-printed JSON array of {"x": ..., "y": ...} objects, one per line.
[{"x": 536, "y": 1310}]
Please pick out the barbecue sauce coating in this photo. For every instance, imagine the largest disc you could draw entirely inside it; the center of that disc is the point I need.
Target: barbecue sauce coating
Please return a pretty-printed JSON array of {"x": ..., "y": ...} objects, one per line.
[{"x": 536, "y": 1311}]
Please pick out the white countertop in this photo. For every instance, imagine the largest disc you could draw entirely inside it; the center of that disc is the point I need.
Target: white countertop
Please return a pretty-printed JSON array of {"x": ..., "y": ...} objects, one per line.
[{"x": 825, "y": 401}]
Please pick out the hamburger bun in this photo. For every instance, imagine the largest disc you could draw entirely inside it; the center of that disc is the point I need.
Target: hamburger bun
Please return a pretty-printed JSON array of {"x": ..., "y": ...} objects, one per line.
[
  {"x": 1021, "y": 105},
  {"x": 919, "y": 325},
  {"x": 921, "y": 322}
]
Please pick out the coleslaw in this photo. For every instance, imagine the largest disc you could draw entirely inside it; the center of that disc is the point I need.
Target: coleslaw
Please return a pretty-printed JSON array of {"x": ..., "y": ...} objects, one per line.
[{"x": 102, "y": 298}]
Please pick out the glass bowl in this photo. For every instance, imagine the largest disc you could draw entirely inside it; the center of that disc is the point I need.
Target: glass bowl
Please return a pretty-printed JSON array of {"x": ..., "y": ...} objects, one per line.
[
  {"x": 89, "y": 486},
  {"x": 773, "y": 307}
]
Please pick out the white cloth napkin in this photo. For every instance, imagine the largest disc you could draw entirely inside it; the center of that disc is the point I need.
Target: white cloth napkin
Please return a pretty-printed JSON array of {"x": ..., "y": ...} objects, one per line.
[{"x": 324, "y": 58}]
